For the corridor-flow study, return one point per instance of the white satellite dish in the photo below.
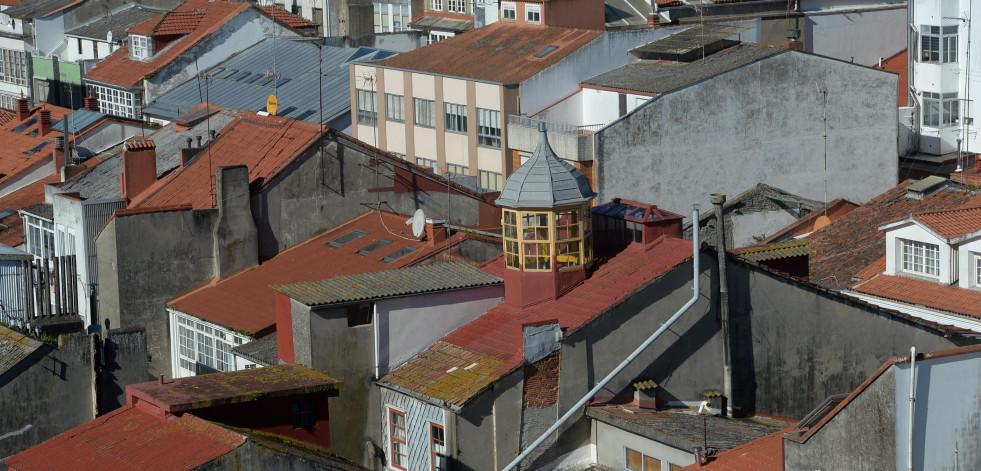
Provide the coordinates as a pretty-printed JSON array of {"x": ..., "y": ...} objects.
[{"x": 418, "y": 222}]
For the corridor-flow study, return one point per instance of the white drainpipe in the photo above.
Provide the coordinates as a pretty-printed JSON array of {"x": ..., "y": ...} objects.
[
  {"x": 592, "y": 392},
  {"x": 912, "y": 402}
]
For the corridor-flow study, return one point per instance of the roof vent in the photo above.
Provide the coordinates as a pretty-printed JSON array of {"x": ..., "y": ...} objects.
[
  {"x": 922, "y": 189},
  {"x": 347, "y": 238},
  {"x": 373, "y": 247}
]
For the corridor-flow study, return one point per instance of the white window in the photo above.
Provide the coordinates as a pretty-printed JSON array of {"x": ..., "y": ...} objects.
[
  {"x": 392, "y": 17},
  {"x": 13, "y": 67},
  {"x": 436, "y": 5},
  {"x": 921, "y": 258},
  {"x": 437, "y": 36},
  {"x": 509, "y": 11},
  {"x": 637, "y": 461},
  {"x": 397, "y": 437},
  {"x": 396, "y": 107},
  {"x": 427, "y": 163},
  {"x": 490, "y": 180},
  {"x": 139, "y": 47},
  {"x": 977, "y": 270},
  {"x": 457, "y": 169},
  {"x": 8, "y": 101},
  {"x": 367, "y": 113},
  {"x": 533, "y": 13},
  {"x": 456, "y": 118},
  {"x": 425, "y": 113},
  {"x": 115, "y": 102},
  {"x": 203, "y": 348},
  {"x": 938, "y": 44},
  {"x": 489, "y": 128},
  {"x": 940, "y": 110}
]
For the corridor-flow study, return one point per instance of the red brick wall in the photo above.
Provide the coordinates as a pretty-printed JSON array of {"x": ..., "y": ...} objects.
[{"x": 541, "y": 382}]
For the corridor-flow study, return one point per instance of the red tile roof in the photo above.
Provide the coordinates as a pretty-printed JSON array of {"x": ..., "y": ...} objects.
[
  {"x": 120, "y": 70},
  {"x": 246, "y": 302},
  {"x": 266, "y": 144},
  {"x": 18, "y": 138},
  {"x": 762, "y": 454},
  {"x": 5, "y": 114},
  {"x": 854, "y": 241},
  {"x": 952, "y": 223},
  {"x": 197, "y": 392},
  {"x": 129, "y": 438},
  {"x": 493, "y": 339},
  {"x": 13, "y": 234},
  {"x": 288, "y": 18},
  {"x": 501, "y": 52},
  {"x": 924, "y": 293}
]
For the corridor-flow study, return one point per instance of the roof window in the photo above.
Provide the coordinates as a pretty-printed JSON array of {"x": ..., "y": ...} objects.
[
  {"x": 482, "y": 42},
  {"x": 26, "y": 124},
  {"x": 373, "y": 247},
  {"x": 546, "y": 51},
  {"x": 524, "y": 49},
  {"x": 398, "y": 254},
  {"x": 36, "y": 148},
  {"x": 347, "y": 238}
]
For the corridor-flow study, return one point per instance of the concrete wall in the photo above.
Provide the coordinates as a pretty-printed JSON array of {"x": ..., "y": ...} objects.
[
  {"x": 263, "y": 453},
  {"x": 409, "y": 325},
  {"x": 611, "y": 444},
  {"x": 124, "y": 362},
  {"x": 795, "y": 344},
  {"x": 861, "y": 437},
  {"x": 680, "y": 147},
  {"x": 863, "y": 36},
  {"x": 488, "y": 429}
]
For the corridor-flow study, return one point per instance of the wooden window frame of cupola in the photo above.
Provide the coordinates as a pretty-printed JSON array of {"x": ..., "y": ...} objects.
[{"x": 515, "y": 241}]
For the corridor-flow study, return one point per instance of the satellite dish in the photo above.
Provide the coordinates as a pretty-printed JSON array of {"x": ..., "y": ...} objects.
[
  {"x": 271, "y": 105},
  {"x": 418, "y": 222},
  {"x": 109, "y": 37}
]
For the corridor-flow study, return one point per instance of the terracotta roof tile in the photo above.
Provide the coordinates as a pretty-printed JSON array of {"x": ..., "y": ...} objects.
[
  {"x": 179, "y": 22},
  {"x": 500, "y": 52},
  {"x": 146, "y": 27},
  {"x": 266, "y": 144},
  {"x": 854, "y": 241},
  {"x": 924, "y": 293},
  {"x": 6, "y": 115},
  {"x": 118, "y": 69},
  {"x": 246, "y": 302},
  {"x": 951, "y": 223},
  {"x": 493, "y": 339},
  {"x": 22, "y": 147},
  {"x": 762, "y": 454},
  {"x": 129, "y": 438},
  {"x": 759, "y": 253},
  {"x": 288, "y": 18}
]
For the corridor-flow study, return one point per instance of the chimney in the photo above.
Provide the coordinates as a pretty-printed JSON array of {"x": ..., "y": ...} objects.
[
  {"x": 44, "y": 121},
  {"x": 139, "y": 168},
  {"x": 90, "y": 102},
  {"x": 58, "y": 155},
  {"x": 718, "y": 200},
  {"x": 199, "y": 141},
  {"x": 697, "y": 450},
  {"x": 187, "y": 153},
  {"x": 23, "y": 110},
  {"x": 436, "y": 231},
  {"x": 161, "y": 379},
  {"x": 645, "y": 394}
]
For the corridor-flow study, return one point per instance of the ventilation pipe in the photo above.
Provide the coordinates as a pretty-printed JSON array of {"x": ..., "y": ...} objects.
[
  {"x": 718, "y": 200},
  {"x": 912, "y": 403},
  {"x": 592, "y": 392}
]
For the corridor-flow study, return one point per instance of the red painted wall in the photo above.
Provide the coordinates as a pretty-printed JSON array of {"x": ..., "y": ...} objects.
[{"x": 284, "y": 329}]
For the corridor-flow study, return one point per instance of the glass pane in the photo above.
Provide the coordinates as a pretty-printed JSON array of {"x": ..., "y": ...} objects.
[
  {"x": 635, "y": 461},
  {"x": 651, "y": 464}
]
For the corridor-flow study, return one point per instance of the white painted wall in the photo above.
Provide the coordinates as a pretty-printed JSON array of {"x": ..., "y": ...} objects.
[
  {"x": 611, "y": 444},
  {"x": 406, "y": 326},
  {"x": 864, "y": 35},
  {"x": 911, "y": 231},
  {"x": 968, "y": 254}
]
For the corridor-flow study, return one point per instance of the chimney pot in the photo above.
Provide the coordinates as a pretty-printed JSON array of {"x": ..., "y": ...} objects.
[
  {"x": 90, "y": 102},
  {"x": 139, "y": 168},
  {"x": 718, "y": 198},
  {"x": 23, "y": 110},
  {"x": 213, "y": 133},
  {"x": 199, "y": 140},
  {"x": 189, "y": 142},
  {"x": 698, "y": 456},
  {"x": 58, "y": 155},
  {"x": 161, "y": 379},
  {"x": 436, "y": 231},
  {"x": 44, "y": 121}
]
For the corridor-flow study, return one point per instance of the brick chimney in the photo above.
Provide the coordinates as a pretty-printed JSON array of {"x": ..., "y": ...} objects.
[
  {"x": 435, "y": 231},
  {"x": 90, "y": 102},
  {"x": 23, "y": 110},
  {"x": 58, "y": 155},
  {"x": 139, "y": 168},
  {"x": 44, "y": 121}
]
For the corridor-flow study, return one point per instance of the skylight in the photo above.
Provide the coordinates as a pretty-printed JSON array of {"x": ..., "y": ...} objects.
[
  {"x": 482, "y": 42},
  {"x": 282, "y": 82},
  {"x": 227, "y": 73},
  {"x": 304, "y": 114},
  {"x": 398, "y": 254},
  {"x": 253, "y": 78},
  {"x": 546, "y": 51},
  {"x": 241, "y": 75},
  {"x": 373, "y": 247},
  {"x": 504, "y": 45},
  {"x": 25, "y": 125},
  {"x": 36, "y": 148},
  {"x": 286, "y": 111},
  {"x": 527, "y": 47},
  {"x": 347, "y": 238}
]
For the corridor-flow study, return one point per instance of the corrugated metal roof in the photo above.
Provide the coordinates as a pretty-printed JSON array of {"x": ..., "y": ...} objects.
[
  {"x": 796, "y": 248},
  {"x": 390, "y": 283},
  {"x": 38, "y": 8},
  {"x": 117, "y": 22},
  {"x": 9, "y": 253},
  {"x": 545, "y": 181},
  {"x": 263, "y": 351},
  {"x": 691, "y": 39},
  {"x": 241, "y": 82},
  {"x": 14, "y": 348},
  {"x": 78, "y": 121}
]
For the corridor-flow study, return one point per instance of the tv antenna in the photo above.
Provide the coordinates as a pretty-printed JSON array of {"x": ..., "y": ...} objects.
[{"x": 418, "y": 223}]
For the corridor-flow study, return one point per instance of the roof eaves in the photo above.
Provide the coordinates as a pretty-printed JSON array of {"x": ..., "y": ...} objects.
[{"x": 402, "y": 69}]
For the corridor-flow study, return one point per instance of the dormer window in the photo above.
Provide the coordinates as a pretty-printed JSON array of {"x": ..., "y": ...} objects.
[
  {"x": 509, "y": 11},
  {"x": 139, "y": 47},
  {"x": 533, "y": 14},
  {"x": 921, "y": 258}
]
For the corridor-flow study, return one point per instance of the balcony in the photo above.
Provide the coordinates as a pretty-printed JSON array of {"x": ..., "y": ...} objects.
[{"x": 569, "y": 141}]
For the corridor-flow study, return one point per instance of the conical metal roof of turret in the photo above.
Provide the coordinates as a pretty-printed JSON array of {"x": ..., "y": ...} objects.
[{"x": 545, "y": 181}]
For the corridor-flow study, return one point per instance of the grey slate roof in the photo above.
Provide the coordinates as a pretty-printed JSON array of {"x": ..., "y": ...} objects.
[
  {"x": 78, "y": 121},
  {"x": 390, "y": 283},
  {"x": 238, "y": 82},
  {"x": 44, "y": 210},
  {"x": 117, "y": 22},
  {"x": 37, "y": 8},
  {"x": 545, "y": 181},
  {"x": 102, "y": 181},
  {"x": 262, "y": 351},
  {"x": 14, "y": 348},
  {"x": 663, "y": 77}
]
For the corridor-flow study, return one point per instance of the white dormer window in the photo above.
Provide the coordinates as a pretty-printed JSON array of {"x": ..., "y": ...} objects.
[
  {"x": 921, "y": 258},
  {"x": 533, "y": 13},
  {"x": 139, "y": 47},
  {"x": 509, "y": 11},
  {"x": 977, "y": 269}
]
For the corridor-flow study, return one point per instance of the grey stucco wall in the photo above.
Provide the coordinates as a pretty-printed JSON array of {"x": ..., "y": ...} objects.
[
  {"x": 270, "y": 455},
  {"x": 236, "y": 240},
  {"x": 124, "y": 362},
  {"x": 50, "y": 391},
  {"x": 794, "y": 344},
  {"x": 861, "y": 437},
  {"x": 347, "y": 353},
  {"x": 488, "y": 429},
  {"x": 762, "y": 122}
]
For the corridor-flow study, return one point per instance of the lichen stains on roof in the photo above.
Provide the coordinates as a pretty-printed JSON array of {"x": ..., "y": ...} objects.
[
  {"x": 14, "y": 348},
  {"x": 760, "y": 253}
]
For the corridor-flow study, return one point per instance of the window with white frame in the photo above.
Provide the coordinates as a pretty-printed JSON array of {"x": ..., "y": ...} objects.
[
  {"x": 437, "y": 447},
  {"x": 40, "y": 236},
  {"x": 427, "y": 163},
  {"x": 397, "y": 438},
  {"x": 456, "y": 118},
  {"x": 13, "y": 67},
  {"x": 392, "y": 17},
  {"x": 938, "y": 44},
  {"x": 490, "y": 180},
  {"x": 395, "y": 108},
  {"x": 457, "y": 169},
  {"x": 920, "y": 257},
  {"x": 637, "y": 461},
  {"x": 367, "y": 113},
  {"x": 425, "y": 113},
  {"x": 436, "y": 5},
  {"x": 204, "y": 348},
  {"x": 139, "y": 47},
  {"x": 977, "y": 269},
  {"x": 533, "y": 13},
  {"x": 940, "y": 110},
  {"x": 115, "y": 102},
  {"x": 489, "y": 128},
  {"x": 8, "y": 101},
  {"x": 509, "y": 11},
  {"x": 437, "y": 36}
]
